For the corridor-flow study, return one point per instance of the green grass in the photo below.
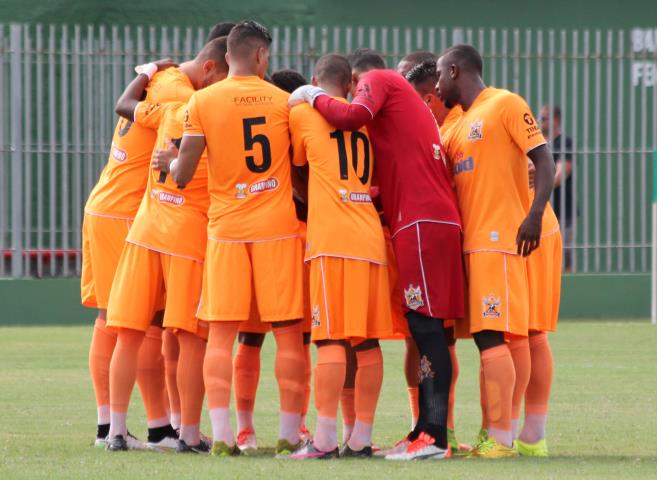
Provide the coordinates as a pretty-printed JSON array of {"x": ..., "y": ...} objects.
[{"x": 603, "y": 420}]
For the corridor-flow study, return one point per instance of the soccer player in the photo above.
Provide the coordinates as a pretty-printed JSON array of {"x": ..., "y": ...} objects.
[
  {"x": 253, "y": 248},
  {"x": 414, "y": 58},
  {"x": 487, "y": 151},
  {"x": 110, "y": 209},
  {"x": 246, "y": 367},
  {"x": 221, "y": 29},
  {"x": 421, "y": 210},
  {"x": 349, "y": 289},
  {"x": 153, "y": 258}
]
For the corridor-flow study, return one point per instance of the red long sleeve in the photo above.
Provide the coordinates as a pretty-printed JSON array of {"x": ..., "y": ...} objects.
[{"x": 342, "y": 116}]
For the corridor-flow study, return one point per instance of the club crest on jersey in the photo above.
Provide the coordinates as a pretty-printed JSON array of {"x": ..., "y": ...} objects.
[
  {"x": 240, "y": 190},
  {"x": 491, "y": 306},
  {"x": 314, "y": 317},
  {"x": 476, "y": 130},
  {"x": 343, "y": 195},
  {"x": 413, "y": 296},
  {"x": 118, "y": 154}
]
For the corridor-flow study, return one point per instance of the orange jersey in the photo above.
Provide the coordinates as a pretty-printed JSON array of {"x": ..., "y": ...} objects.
[
  {"x": 487, "y": 153},
  {"x": 245, "y": 124},
  {"x": 342, "y": 221},
  {"x": 452, "y": 118},
  {"x": 121, "y": 185},
  {"x": 171, "y": 220}
]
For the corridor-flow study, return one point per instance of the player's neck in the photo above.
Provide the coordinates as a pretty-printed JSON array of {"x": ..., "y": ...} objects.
[
  {"x": 333, "y": 91},
  {"x": 470, "y": 93},
  {"x": 190, "y": 72},
  {"x": 238, "y": 70}
]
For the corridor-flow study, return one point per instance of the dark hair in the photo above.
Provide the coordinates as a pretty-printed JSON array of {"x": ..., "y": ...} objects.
[
  {"x": 215, "y": 50},
  {"x": 221, "y": 29},
  {"x": 288, "y": 80},
  {"x": 246, "y": 36},
  {"x": 556, "y": 112},
  {"x": 364, "y": 59},
  {"x": 466, "y": 56},
  {"x": 333, "y": 69},
  {"x": 422, "y": 72},
  {"x": 419, "y": 56}
]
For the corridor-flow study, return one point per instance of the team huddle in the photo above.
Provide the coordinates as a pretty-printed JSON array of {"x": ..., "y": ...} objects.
[{"x": 235, "y": 204}]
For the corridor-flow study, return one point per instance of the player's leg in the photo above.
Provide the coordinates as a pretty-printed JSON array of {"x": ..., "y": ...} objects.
[
  {"x": 132, "y": 303},
  {"x": 304, "y": 433},
  {"x": 183, "y": 281},
  {"x": 348, "y": 396},
  {"x": 170, "y": 353},
  {"x": 102, "y": 346},
  {"x": 519, "y": 348},
  {"x": 278, "y": 285},
  {"x": 411, "y": 369},
  {"x": 225, "y": 304},
  {"x": 246, "y": 376},
  {"x": 456, "y": 446}
]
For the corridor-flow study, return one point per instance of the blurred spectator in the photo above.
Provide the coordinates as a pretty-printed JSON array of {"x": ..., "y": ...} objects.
[{"x": 562, "y": 149}]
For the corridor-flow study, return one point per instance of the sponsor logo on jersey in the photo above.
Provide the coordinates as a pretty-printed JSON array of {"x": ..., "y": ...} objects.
[
  {"x": 314, "y": 317},
  {"x": 466, "y": 165},
  {"x": 360, "y": 197},
  {"x": 344, "y": 195},
  {"x": 476, "y": 130},
  {"x": 118, "y": 154},
  {"x": 532, "y": 129},
  {"x": 252, "y": 100},
  {"x": 264, "y": 185},
  {"x": 491, "y": 306},
  {"x": 413, "y": 296},
  {"x": 168, "y": 197},
  {"x": 240, "y": 190}
]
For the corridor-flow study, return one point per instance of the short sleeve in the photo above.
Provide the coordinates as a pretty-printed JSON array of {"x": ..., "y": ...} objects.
[
  {"x": 370, "y": 92},
  {"x": 521, "y": 124},
  {"x": 149, "y": 115},
  {"x": 296, "y": 134},
  {"x": 192, "y": 125}
]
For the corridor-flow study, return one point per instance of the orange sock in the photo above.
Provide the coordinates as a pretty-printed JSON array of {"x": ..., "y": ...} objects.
[
  {"x": 411, "y": 369},
  {"x": 519, "y": 348},
  {"x": 246, "y": 374},
  {"x": 218, "y": 377},
  {"x": 307, "y": 379},
  {"x": 123, "y": 368},
  {"x": 100, "y": 356},
  {"x": 150, "y": 378},
  {"x": 190, "y": 383},
  {"x": 414, "y": 404},
  {"x": 348, "y": 407},
  {"x": 482, "y": 398},
  {"x": 369, "y": 377},
  {"x": 500, "y": 377},
  {"x": 289, "y": 356},
  {"x": 452, "y": 387},
  {"x": 170, "y": 353},
  {"x": 540, "y": 382},
  {"x": 330, "y": 372}
]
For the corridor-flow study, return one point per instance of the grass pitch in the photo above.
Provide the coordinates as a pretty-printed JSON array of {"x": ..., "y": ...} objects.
[{"x": 603, "y": 420}]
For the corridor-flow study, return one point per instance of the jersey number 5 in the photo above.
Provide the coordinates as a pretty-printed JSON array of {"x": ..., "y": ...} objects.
[
  {"x": 338, "y": 135},
  {"x": 249, "y": 143}
]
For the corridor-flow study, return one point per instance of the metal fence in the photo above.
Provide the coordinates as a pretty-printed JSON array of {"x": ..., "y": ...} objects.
[{"x": 58, "y": 85}]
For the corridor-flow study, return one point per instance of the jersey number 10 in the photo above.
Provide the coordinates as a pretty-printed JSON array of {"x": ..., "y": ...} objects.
[
  {"x": 356, "y": 136},
  {"x": 249, "y": 143}
]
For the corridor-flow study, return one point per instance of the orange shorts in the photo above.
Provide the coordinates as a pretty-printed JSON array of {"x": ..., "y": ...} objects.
[
  {"x": 143, "y": 277},
  {"x": 235, "y": 272},
  {"x": 544, "y": 273},
  {"x": 349, "y": 299},
  {"x": 102, "y": 242},
  {"x": 498, "y": 294}
]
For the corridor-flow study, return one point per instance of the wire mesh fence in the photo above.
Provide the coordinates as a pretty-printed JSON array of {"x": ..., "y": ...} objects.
[{"x": 58, "y": 85}]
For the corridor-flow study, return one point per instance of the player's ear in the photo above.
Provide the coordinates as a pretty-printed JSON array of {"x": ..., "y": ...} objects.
[
  {"x": 227, "y": 56},
  {"x": 313, "y": 81},
  {"x": 454, "y": 71},
  {"x": 208, "y": 66}
]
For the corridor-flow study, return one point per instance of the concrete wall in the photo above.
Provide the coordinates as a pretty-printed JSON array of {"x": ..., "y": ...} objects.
[{"x": 57, "y": 301}]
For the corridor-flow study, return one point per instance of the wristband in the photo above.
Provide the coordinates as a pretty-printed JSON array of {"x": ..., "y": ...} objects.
[{"x": 148, "y": 69}]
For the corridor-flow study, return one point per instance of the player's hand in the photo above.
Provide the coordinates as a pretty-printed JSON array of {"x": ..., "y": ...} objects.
[
  {"x": 532, "y": 175},
  {"x": 529, "y": 234},
  {"x": 161, "y": 64},
  {"x": 163, "y": 158},
  {"x": 305, "y": 93},
  {"x": 164, "y": 63}
]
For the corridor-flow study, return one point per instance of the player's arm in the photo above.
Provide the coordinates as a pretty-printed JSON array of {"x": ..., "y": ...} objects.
[
  {"x": 191, "y": 147},
  {"x": 298, "y": 154},
  {"x": 134, "y": 92},
  {"x": 564, "y": 165}
]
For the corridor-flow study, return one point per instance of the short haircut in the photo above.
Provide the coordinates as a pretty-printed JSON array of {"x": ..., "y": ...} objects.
[
  {"x": 366, "y": 59},
  {"x": 419, "y": 56},
  {"x": 215, "y": 50},
  {"x": 422, "y": 72},
  {"x": 288, "y": 80},
  {"x": 466, "y": 57},
  {"x": 221, "y": 29},
  {"x": 333, "y": 69},
  {"x": 247, "y": 36}
]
